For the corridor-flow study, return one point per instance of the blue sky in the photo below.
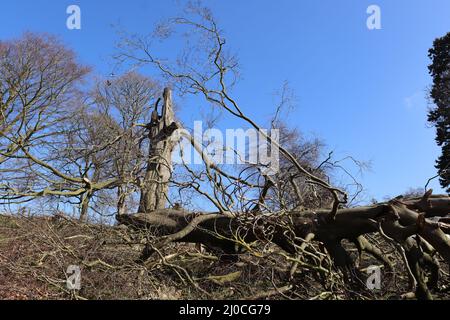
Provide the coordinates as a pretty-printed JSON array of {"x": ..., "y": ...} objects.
[{"x": 361, "y": 91}]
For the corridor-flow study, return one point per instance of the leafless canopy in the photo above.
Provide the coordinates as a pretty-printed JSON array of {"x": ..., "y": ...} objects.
[{"x": 108, "y": 150}]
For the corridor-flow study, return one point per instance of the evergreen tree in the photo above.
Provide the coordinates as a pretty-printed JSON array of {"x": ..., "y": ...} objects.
[{"x": 439, "y": 115}]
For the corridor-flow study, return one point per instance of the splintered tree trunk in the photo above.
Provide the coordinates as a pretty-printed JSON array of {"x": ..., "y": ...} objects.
[
  {"x": 121, "y": 204},
  {"x": 159, "y": 166},
  {"x": 85, "y": 207}
]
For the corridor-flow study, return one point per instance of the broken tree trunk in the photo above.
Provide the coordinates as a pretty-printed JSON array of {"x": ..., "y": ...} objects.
[
  {"x": 287, "y": 230},
  {"x": 154, "y": 190}
]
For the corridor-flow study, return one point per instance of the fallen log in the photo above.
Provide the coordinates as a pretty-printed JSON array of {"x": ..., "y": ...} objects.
[
  {"x": 230, "y": 234},
  {"x": 287, "y": 229}
]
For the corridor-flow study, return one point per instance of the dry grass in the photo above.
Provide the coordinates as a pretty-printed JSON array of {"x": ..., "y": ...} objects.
[{"x": 35, "y": 253}]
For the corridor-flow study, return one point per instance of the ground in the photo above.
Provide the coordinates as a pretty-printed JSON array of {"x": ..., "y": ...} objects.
[{"x": 35, "y": 253}]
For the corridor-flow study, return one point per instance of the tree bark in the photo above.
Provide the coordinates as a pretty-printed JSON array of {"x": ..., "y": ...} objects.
[
  {"x": 217, "y": 231},
  {"x": 85, "y": 200},
  {"x": 154, "y": 191}
]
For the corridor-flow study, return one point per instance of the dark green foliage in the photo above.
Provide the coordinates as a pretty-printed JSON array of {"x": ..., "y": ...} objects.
[{"x": 439, "y": 115}]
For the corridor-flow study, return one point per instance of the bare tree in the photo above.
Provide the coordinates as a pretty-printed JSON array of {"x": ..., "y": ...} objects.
[
  {"x": 127, "y": 100},
  {"x": 61, "y": 142},
  {"x": 39, "y": 81},
  {"x": 211, "y": 74}
]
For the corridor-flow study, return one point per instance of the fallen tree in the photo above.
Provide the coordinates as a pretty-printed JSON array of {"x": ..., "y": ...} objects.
[
  {"x": 407, "y": 222},
  {"x": 287, "y": 220},
  {"x": 404, "y": 221}
]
